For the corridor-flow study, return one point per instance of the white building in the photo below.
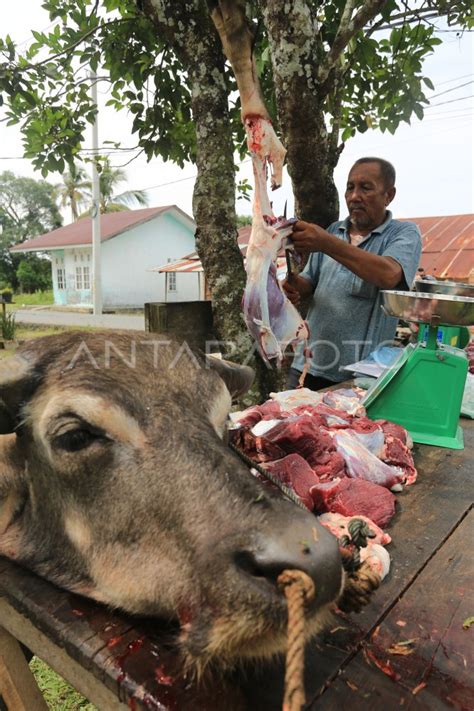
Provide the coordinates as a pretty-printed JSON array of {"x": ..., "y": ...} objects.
[{"x": 132, "y": 242}]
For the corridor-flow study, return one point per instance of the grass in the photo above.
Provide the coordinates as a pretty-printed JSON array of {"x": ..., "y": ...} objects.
[
  {"x": 57, "y": 693},
  {"x": 39, "y": 298}
]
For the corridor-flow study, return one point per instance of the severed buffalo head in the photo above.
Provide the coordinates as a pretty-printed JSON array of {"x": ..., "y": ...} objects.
[{"x": 116, "y": 483}]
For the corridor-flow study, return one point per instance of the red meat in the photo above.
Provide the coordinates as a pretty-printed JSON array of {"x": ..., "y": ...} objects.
[
  {"x": 268, "y": 411},
  {"x": 330, "y": 465},
  {"x": 351, "y": 497},
  {"x": 296, "y": 473},
  {"x": 301, "y": 435},
  {"x": 398, "y": 454},
  {"x": 391, "y": 428}
]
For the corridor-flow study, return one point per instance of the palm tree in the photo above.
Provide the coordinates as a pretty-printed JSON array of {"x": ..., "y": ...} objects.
[
  {"x": 109, "y": 178},
  {"x": 75, "y": 190}
]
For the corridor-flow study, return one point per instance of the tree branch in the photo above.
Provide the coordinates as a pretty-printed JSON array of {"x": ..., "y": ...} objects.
[{"x": 348, "y": 27}]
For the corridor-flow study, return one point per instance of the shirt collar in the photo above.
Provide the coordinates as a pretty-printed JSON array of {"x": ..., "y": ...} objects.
[{"x": 345, "y": 224}]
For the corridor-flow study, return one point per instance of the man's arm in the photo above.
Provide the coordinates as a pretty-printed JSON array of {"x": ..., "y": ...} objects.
[{"x": 383, "y": 272}]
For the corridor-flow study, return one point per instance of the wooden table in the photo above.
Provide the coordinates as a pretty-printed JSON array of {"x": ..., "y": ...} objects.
[{"x": 119, "y": 662}]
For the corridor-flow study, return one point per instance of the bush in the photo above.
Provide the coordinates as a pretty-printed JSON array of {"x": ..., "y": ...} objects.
[
  {"x": 8, "y": 324},
  {"x": 34, "y": 274},
  {"x": 6, "y": 294}
]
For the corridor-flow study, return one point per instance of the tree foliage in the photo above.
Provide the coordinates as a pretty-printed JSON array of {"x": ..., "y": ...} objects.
[
  {"x": 75, "y": 190},
  {"x": 328, "y": 68},
  {"x": 34, "y": 274},
  {"x": 378, "y": 79},
  {"x": 27, "y": 209},
  {"x": 111, "y": 201}
]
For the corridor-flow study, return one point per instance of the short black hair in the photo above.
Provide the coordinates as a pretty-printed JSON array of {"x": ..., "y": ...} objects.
[{"x": 387, "y": 171}]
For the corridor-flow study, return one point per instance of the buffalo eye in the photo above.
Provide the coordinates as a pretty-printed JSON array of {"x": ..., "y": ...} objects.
[{"x": 75, "y": 440}]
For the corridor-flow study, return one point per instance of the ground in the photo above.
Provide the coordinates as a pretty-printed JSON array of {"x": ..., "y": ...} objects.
[{"x": 57, "y": 693}]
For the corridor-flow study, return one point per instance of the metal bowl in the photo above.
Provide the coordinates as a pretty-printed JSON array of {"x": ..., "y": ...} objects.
[
  {"x": 444, "y": 287},
  {"x": 422, "y": 308}
]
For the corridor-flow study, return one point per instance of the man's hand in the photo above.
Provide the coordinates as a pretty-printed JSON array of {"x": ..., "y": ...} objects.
[
  {"x": 296, "y": 288},
  {"x": 291, "y": 292},
  {"x": 307, "y": 237}
]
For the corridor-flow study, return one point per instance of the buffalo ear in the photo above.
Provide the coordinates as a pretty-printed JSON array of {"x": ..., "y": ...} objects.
[
  {"x": 238, "y": 378},
  {"x": 16, "y": 374}
]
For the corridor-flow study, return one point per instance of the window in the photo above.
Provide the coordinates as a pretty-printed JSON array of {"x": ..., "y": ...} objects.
[
  {"x": 61, "y": 279},
  {"x": 86, "y": 277},
  {"x": 171, "y": 281},
  {"x": 78, "y": 278}
]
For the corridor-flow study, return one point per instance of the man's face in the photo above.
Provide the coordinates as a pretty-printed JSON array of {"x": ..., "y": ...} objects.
[{"x": 367, "y": 196}]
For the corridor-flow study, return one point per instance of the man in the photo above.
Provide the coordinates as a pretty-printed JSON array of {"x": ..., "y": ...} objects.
[{"x": 349, "y": 264}]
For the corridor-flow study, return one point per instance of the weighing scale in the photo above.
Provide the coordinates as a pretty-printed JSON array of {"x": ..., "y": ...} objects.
[
  {"x": 451, "y": 335},
  {"x": 423, "y": 389}
]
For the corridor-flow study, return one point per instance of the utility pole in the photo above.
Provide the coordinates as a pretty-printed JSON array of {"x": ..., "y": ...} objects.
[{"x": 96, "y": 237}]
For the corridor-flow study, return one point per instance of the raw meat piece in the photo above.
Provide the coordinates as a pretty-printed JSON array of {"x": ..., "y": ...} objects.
[
  {"x": 303, "y": 436},
  {"x": 331, "y": 416},
  {"x": 391, "y": 428},
  {"x": 257, "y": 448},
  {"x": 378, "y": 559},
  {"x": 344, "y": 399},
  {"x": 373, "y": 441},
  {"x": 397, "y": 454},
  {"x": 271, "y": 318},
  {"x": 296, "y": 473},
  {"x": 337, "y": 524},
  {"x": 330, "y": 465},
  {"x": 360, "y": 463},
  {"x": 353, "y": 497},
  {"x": 249, "y": 417},
  {"x": 364, "y": 424},
  {"x": 289, "y": 399},
  {"x": 262, "y": 427}
]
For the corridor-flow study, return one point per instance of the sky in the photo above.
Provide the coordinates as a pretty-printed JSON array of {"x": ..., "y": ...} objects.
[{"x": 434, "y": 158}]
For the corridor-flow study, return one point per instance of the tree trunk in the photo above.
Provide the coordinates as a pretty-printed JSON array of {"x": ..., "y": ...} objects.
[
  {"x": 214, "y": 193},
  {"x": 294, "y": 43}
]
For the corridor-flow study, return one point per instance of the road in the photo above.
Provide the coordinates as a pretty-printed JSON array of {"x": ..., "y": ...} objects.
[{"x": 64, "y": 318}]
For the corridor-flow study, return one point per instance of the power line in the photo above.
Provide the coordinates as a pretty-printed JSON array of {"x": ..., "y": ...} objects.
[
  {"x": 452, "y": 118},
  {"x": 452, "y": 101},
  {"x": 453, "y": 88},
  {"x": 448, "y": 81}
]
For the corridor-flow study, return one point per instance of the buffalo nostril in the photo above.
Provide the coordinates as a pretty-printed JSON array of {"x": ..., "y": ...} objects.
[
  {"x": 258, "y": 566},
  {"x": 319, "y": 559}
]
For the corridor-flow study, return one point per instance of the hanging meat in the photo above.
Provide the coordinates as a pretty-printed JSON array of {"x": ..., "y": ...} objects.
[{"x": 271, "y": 319}]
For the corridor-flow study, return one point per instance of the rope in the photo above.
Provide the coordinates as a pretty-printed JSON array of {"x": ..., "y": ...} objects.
[
  {"x": 358, "y": 589},
  {"x": 298, "y": 589}
]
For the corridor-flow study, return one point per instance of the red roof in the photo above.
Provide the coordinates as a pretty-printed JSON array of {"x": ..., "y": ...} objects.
[
  {"x": 192, "y": 263},
  {"x": 80, "y": 232},
  {"x": 448, "y": 246},
  {"x": 448, "y": 242}
]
